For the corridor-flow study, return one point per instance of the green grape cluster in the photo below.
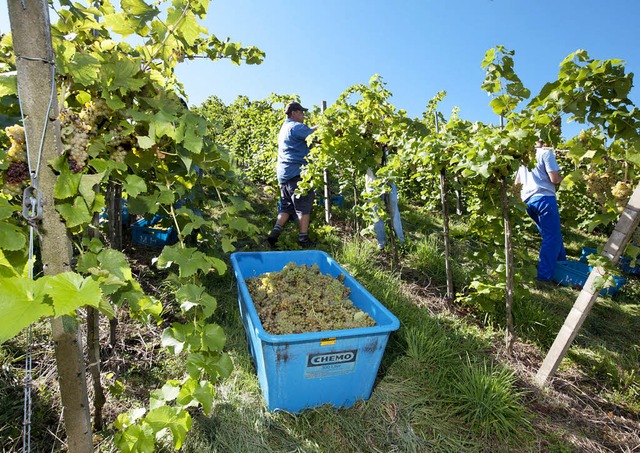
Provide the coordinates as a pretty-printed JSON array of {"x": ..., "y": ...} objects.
[
  {"x": 18, "y": 150},
  {"x": 120, "y": 145},
  {"x": 300, "y": 299},
  {"x": 75, "y": 138},
  {"x": 118, "y": 154},
  {"x": 622, "y": 191},
  {"x": 95, "y": 111},
  {"x": 599, "y": 185}
]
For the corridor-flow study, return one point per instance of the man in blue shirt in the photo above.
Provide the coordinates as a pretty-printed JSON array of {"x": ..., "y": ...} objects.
[
  {"x": 292, "y": 155},
  {"x": 539, "y": 193}
]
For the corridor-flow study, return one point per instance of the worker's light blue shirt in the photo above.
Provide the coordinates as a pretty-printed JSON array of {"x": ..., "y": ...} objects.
[
  {"x": 536, "y": 183},
  {"x": 292, "y": 149}
]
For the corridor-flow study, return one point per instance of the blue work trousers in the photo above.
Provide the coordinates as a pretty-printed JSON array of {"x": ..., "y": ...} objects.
[{"x": 544, "y": 212}]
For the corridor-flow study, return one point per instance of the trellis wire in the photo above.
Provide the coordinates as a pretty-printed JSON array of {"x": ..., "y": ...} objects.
[{"x": 32, "y": 211}]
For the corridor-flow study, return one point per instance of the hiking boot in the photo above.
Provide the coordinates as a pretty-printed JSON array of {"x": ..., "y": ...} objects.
[
  {"x": 272, "y": 239},
  {"x": 306, "y": 243}
]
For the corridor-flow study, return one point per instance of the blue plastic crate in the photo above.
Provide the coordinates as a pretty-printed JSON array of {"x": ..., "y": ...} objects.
[
  {"x": 624, "y": 263},
  {"x": 625, "y": 266},
  {"x": 575, "y": 273},
  {"x": 145, "y": 232},
  {"x": 586, "y": 252},
  {"x": 306, "y": 370},
  {"x": 336, "y": 200},
  {"x": 125, "y": 213}
]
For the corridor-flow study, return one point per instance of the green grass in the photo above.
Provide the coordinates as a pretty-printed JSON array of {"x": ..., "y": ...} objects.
[
  {"x": 416, "y": 404},
  {"x": 443, "y": 384},
  {"x": 437, "y": 387}
]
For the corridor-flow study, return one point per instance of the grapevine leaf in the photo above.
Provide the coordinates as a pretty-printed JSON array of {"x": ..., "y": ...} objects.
[
  {"x": 22, "y": 302},
  {"x": 164, "y": 124},
  {"x": 119, "y": 74},
  {"x": 116, "y": 263},
  {"x": 209, "y": 304},
  {"x": 175, "y": 337},
  {"x": 129, "y": 417},
  {"x": 166, "y": 196},
  {"x": 145, "y": 142},
  {"x": 143, "y": 204},
  {"x": 134, "y": 185},
  {"x": 11, "y": 237},
  {"x": 137, "y": 8},
  {"x": 240, "y": 224},
  {"x": 106, "y": 308},
  {"x": 136, "y": 439},
  {"x": 6, "y": 208},
  {"x": 119, "y": 23},
  {"x": 220, "y": 265},
  {"x": 196, "y": 221},
  {"x": 8, "y": 85},
  {"x": 105, "y": 166},
  {"x": 186, "y": 396},
  {"x": 140, "y": 303},
  {"x": 186, "y": 160},
  {"x": 6, "y": 268},
  {"x": 168, "y": 392},
  {"x": 69, "y": 291},
  {"x": 85, "y": 68},
  {"x": 67, "y": 183},
  {"x": 214, "y": 364},
  {"x": 189, "y": 260},
  {"x": 191, "y": 29},
  {"x": 189, "y": 296},
  {"x": 176, "y": 419},
  {"x": 192, "y": 140},
  {"x": 205, "y": 393},
  {"x": 87, "y": 187},
  {"x": 94, "y": 245},
  {"x": 227, "y": 245},
  {"x": 75, "y": 214},
  {"x": 83, "y": 97},
  {"x": 213, "y": 338},
  {"x": 114, "y": 102},
  {"x": 194, "y": 392},
  {"x": 87, "y": 261}
]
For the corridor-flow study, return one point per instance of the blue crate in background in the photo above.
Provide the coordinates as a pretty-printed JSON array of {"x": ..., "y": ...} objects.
[
  {"x": 336, "y": 200},
  {"x": 186, "y": 202},
  {"x": 586, "y": 251},
  {"x": 624, "y": 264},
  {"x": 149, "y": 233},
  {"x": 298, "y": 371},
  {"x": 575, "y": 273},
  {"x": 125, "y": 213}
]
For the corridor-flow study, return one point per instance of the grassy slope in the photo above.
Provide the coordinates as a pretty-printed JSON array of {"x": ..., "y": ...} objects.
[{"x": 445, "y": 382}]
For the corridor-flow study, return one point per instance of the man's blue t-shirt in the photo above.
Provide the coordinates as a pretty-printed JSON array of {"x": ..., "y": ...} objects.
[
  {"x": 292, "y": 149},
  {"x": 536, "y": 182}
]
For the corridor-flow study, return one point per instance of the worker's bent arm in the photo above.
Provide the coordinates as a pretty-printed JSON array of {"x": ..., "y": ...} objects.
[{"x": 555, "y": 177}]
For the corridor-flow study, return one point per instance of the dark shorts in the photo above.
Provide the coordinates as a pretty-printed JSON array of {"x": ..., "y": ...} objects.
[{"x": 292, "y": 204}]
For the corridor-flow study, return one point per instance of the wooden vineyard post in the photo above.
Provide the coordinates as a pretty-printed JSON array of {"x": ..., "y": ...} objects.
[
  {"x": 614, "y": 247},
  {"x": 510, "y": 331},
  {"x": 327, "y": 195},
  {"x": 445, "y": 226}
]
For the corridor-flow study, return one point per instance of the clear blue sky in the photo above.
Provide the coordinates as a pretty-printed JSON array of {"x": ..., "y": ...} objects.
[{"x": 317, "y": 49}]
